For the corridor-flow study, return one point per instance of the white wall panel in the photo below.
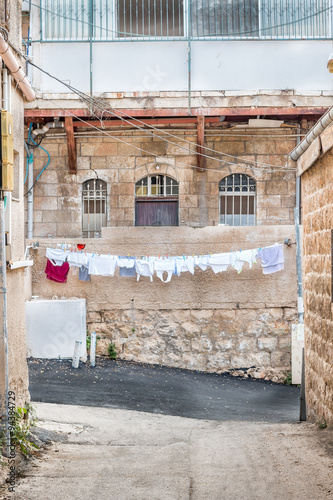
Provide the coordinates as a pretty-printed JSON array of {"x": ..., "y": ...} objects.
[
  {"x": 139, "y": 66},
  {"x": 268, "y": 65},
  {"x": 66, "y": 61},
  {"x": 163, "y": 66},
  {"x": 53, "y": 326}
]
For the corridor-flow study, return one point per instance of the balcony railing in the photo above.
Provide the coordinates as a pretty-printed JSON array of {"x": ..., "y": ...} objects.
[{"x": 134, "y": 20}]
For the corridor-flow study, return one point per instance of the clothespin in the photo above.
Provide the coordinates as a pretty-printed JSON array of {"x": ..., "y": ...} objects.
[
  {"x": 92, "y": 255},
  {"x": 183, "y": 256},
  {"x": 128, "y": 255},
  {"x": 159, "y": 256},
  {"x": 193, "y": 256}
]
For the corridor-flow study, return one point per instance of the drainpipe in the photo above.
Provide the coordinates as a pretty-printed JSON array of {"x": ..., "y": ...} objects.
[
  {"x": 316, "y": 130},
  {"x": 4, "y": 370},
  {"x": 14, "y": 67},
  {"x": 300, "y": 304},
  {"x": 30, "y": 233}
]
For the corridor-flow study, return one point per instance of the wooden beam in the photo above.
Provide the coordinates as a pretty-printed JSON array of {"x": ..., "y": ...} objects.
[
  {"x": 201, "y": 143},
  {"x": 71, "y": 146},
  {"x": 245, "y": 112}
]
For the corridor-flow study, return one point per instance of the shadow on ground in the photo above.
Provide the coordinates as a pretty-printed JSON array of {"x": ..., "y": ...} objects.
[{"x": 158, "y": 389}]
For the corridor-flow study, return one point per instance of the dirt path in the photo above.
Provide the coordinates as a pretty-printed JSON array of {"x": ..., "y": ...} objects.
[{"x": 124, "y": 455}]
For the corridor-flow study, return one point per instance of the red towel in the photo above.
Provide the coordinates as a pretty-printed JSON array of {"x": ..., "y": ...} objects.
[{"x": 57, "y": 273}]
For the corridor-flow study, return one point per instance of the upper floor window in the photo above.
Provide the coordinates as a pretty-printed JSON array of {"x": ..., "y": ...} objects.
[
  {"x": 149, "y": 18},
  {"x": 156, "y": 185},
  {"x": 178, "y": 19},
  {"x": 94, "y": 215},
  {"x": 237, "y": 200},
  {"x": 221, "y": 18}
]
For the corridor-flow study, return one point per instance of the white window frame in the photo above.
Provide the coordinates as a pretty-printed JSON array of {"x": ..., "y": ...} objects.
[
  {"x": 149, "y": 186},
  {"x": 242, "y": 194},
  {"x": 92, "y": 222}
]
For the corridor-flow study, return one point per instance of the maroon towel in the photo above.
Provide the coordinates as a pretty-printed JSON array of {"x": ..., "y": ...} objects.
[{"x": 57, "y": 273}]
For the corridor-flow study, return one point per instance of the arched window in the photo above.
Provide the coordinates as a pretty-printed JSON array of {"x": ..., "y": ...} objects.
[
  {"x": 156, "y": 202},
  {"x": 237, "y": 200},
  {"x": 94, "y": 192}
]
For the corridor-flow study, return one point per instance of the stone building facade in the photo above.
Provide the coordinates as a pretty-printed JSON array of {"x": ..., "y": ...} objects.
[
  {"x": 262, "y": 155},
  {"x": 316, "y": 171},
  {"x": 10, "y": 17}
]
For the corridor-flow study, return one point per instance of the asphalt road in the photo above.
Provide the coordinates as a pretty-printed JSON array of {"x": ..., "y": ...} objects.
[{"x": 161, "y": 390}]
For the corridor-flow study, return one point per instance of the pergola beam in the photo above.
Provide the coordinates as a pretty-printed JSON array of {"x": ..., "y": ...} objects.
[
  {"x": 201, "y": 143},
  {"x": 71, "y": 146}
]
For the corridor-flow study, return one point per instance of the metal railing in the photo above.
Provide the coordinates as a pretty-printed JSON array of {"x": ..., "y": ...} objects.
[{"x": 133, "y": 20}]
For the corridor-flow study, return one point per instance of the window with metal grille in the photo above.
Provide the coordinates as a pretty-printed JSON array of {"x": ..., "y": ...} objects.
[
  {"x": 156, "y": 185},
  {"x": 111, "y": 20},
  {"x": 237, "y": 200},
  {"x": 217, "y": 18},
  {"x": 150, "y": 18},
  {"x": 94, "y": 194}
]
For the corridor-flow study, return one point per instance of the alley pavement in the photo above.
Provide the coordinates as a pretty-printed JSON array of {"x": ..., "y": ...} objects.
[
  {"x": 161, "y": 390},
  {"x": 132, "y": 455}
]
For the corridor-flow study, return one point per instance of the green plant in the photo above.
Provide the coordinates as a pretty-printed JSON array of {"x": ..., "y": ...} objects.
[
  {"x": 112, "y": 350},
  {"x": 89, "y": 341},
  {"x": 133, "y": 330},
  {"x": 287, "y": 380},
  {"x": 322, "y": 424},
  {"x": 20, "y": 421}
]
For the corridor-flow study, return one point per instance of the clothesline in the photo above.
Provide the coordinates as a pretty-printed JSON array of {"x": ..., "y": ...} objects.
[{"x": 93, "y": 264}]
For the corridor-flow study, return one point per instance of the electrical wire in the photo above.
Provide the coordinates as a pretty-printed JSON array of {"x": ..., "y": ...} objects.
[
  {"x": 95, "y": 103},
  {"x": 186, "y": 165},
  {"x": 199, "y": 37},
  {"x": 40, "y": 173},
  {"x": 27, "y": 169}
]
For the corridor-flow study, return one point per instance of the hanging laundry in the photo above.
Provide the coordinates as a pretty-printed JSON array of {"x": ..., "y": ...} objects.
[
  {"x": 84, "y": 274},
  {"x": 164, "y": 265},
  {"x": 219, "y": 262},
  {"x": 238, "y": 259},
  {"x": 78, "y": 259},
  {"x": 57, "y": 255},
  {"x": 102, "y": 265},
  {"x": 201, "y": 261},
  {"x": 144, "y": 268},
  {"x": 126, "y": 266},
  {"x": 57, "y": 273},
  {"x": 185, "y": 264},
  {"x": 272, "y": 259}
]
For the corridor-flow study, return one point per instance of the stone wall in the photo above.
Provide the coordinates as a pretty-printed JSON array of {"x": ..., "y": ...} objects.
[
  {"x": 58, "y": 194},
  {"x": 204, "y": 322},
  {"x": 18, "y": 369},
  {"x": 317, "y": 195}
]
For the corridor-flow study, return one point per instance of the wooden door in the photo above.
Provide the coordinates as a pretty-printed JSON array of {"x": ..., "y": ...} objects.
[{"x": 156, "y": 212}]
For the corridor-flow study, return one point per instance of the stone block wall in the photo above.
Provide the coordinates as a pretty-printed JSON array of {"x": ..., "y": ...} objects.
[
  {"x": 260, "y": 154},
  {"x": 317, "y": 195},
  {"x": 203, "y": 322}
]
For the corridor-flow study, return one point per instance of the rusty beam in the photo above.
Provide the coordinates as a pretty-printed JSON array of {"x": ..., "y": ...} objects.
[
  {"x": 201, "y": 143},
  {"x": 71, "y": 146},
  {"x": 145, "y": 121},
  {"x": 245, "y": 112}
]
